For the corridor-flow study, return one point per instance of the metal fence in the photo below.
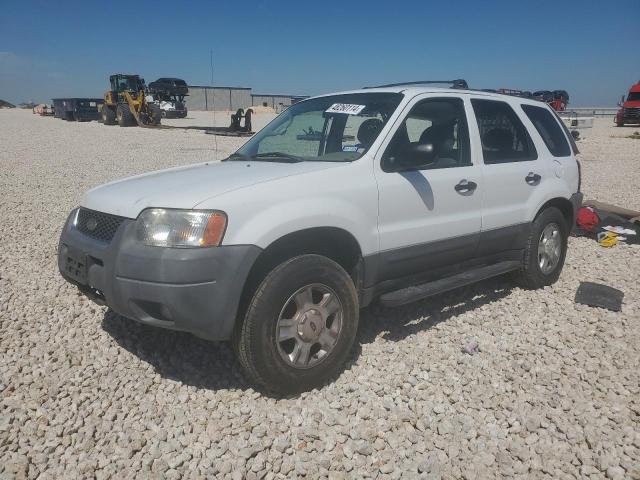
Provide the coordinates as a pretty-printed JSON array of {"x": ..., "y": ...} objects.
[{"x": 593, "y": 111}]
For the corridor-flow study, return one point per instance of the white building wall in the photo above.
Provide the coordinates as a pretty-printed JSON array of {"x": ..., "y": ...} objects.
[{"x": 232, "y": 98}]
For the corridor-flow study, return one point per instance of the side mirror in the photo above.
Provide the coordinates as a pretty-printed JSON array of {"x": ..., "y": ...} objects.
[
  {"x": 413, "y": 158},
  {"x": 621, "y": 102}
]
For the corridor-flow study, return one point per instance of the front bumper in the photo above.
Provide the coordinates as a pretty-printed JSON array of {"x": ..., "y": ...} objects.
[
  {"x": 175, "y": 113},
  {"x": 195, "y": 290}
]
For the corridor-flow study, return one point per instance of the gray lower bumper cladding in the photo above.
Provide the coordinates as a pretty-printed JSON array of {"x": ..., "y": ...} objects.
[{"x": 196, "y": 290}]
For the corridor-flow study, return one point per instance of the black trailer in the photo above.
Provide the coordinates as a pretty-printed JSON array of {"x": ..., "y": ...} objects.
[{"x": 78, "y": 109}]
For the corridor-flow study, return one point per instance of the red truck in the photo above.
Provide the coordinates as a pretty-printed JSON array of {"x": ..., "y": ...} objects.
[{"x": 630, "y": 108}]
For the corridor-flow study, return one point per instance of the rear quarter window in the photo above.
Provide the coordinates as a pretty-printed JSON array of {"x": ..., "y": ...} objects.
[{"x": 549, "y": 129}]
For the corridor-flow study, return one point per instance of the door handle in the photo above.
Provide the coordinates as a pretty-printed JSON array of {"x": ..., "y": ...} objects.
[
  {"x": 532, "y": 178},
  {"x": 465, "y": 186}
]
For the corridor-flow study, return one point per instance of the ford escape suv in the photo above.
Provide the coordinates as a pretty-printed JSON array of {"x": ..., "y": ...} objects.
[{"x": 388, "y": 194}]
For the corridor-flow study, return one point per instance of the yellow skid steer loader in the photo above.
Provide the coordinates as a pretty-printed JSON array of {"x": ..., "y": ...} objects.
[{"x": 126, "y": 103}]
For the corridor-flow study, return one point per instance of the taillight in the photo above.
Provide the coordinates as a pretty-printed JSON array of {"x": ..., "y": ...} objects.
[{"x": 579, "y": 174}]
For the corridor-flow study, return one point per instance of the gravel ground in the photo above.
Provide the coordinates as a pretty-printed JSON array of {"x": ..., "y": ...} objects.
[{"x": 553, "y": 392}]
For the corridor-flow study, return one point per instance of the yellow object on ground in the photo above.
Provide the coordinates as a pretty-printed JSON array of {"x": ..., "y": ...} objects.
[{"x": 607, "y": 239}]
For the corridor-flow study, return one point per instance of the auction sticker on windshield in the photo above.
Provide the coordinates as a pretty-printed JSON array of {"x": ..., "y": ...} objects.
[{"x": 348, "y": 108}]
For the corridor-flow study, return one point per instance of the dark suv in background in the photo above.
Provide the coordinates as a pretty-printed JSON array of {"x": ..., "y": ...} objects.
[{"x": 169, "y": 93}]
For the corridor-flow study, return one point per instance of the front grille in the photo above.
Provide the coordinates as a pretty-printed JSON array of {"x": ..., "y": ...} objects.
[
  {"x": 98, "y": 225},
  {"x": 632, "y": 112}
]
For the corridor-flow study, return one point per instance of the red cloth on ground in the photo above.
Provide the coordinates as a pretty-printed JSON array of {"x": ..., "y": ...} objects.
[{"x": 587, "y": 219}]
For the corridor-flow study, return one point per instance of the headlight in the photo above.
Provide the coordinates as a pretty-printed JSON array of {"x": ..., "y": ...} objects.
[{"x": 162, "y": 227}]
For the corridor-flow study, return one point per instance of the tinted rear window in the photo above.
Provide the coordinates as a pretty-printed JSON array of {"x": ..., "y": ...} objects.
[
  {"x": 504, "y": 138},
  {"x": 549, "y": 129}
]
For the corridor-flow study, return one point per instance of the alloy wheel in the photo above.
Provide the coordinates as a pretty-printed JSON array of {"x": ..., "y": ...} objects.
[
  {"x": 309, "y": 326},
  {"x": 549, "y": 248}
]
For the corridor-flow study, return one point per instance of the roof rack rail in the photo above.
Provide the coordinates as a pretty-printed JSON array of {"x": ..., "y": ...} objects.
[{"x": 459, "y": 83}]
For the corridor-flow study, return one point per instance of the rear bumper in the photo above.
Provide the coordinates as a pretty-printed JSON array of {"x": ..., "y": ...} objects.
[
  {"x": 193, "y": 290},
  {"x": 576, "y": 201}
]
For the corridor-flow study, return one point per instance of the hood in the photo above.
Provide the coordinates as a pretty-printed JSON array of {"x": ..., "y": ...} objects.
[
  {"x": 185, "y": 187},
  {"x": 631, "y": 104}
]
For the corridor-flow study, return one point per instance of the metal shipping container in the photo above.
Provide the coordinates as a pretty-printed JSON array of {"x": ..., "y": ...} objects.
[{"x": 79, "y": 109}]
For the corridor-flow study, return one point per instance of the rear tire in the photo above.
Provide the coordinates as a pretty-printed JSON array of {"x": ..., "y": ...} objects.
[
  {"x": 299, "y": 326},
  {"x": 108, "y": 115},
  {"x": 124, "y": 115},
  {"x": 545, "y": 251}
]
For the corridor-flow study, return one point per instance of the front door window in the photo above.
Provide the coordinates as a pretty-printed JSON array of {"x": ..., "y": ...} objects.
[{"x": 440, "y": 122}]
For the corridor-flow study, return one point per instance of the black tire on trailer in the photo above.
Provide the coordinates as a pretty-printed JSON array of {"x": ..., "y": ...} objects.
[
  {"x": 299, "y": 326},
  {"x": 108, "y": 115},
  {"x": 124, "y": 115},
  {"x": 155, "y": 114},
  {"x": 545, "y": 250}
]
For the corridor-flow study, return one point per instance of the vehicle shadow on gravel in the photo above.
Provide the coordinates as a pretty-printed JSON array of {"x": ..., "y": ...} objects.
[
  {"x": 203, "y": 364},
  {"x": 178, "y": 356},
  {"x": 402, "y": 322}
]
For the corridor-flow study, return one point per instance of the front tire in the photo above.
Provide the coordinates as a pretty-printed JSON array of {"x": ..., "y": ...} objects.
[
  {"x": 545, "y": 251},
  {"x": 124, "y": 115},
  {"x": 299, "y": 326},
  {"x": 108, "y": 115}
]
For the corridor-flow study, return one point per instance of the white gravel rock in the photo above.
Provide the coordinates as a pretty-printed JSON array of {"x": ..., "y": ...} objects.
[{"x": 554, "y": 390}]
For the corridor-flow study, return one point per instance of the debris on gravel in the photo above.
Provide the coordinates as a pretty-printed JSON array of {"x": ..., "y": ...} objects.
[
  {"x": 471, "y": 346},
  {"x": 85, "y": 393}
]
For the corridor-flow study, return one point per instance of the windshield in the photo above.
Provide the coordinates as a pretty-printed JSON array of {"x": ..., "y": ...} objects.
[
  {"x": 633, "y": 97},
  {"x": 336, "y": 128},
  {"x": 132, "y": 84}
]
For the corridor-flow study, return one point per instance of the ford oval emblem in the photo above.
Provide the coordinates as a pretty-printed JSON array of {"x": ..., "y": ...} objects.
[{"x": 92, "y": 223}]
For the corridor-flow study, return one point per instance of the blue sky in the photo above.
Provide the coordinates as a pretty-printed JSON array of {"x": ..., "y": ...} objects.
[{"x": 64, "y": 48}]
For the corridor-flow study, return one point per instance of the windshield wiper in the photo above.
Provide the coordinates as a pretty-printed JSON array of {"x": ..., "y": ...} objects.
[
  {"x": 268, "y": 156},
  {"x": 265, "y": 157},
  {"x": 237, "y": 156}
]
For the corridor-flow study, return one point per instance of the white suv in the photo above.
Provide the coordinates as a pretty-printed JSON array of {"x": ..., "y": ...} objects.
[{"x": 390, "y": 194}]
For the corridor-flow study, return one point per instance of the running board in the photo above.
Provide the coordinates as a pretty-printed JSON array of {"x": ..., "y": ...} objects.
[{"x": 418, "y": 292}]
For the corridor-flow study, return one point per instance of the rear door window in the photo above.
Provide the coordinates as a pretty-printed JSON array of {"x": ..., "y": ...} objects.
[
  {"x": 504, "y": 137},
  {"x": 549, "y": 129}
]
